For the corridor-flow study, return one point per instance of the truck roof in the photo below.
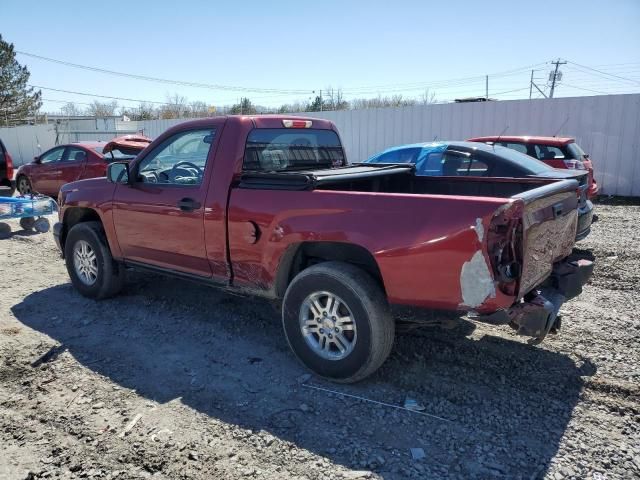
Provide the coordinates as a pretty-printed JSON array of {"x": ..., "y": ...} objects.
[
  {"x": 259, "y": 121},
  {"x": 556, "y": 141}
]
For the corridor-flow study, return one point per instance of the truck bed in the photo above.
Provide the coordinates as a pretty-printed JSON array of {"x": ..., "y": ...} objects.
[{"x": 390, "y": 179}]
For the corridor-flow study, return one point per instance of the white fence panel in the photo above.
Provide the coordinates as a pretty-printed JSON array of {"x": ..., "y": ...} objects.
[
  {"x": 607, "y": 127},
  {"x": 26, "y": 142}
]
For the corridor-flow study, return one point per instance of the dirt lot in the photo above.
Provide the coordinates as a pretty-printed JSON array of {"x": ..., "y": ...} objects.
[{"x": 174, "y": 380}]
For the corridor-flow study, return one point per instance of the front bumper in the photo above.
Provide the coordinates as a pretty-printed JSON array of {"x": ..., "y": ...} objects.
[{"x": 537, "y": 314}]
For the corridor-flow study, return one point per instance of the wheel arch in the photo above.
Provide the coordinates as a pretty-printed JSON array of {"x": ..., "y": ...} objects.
[
  {"x": 299, "y": 256},
  {"x": 74, "y": 216}
]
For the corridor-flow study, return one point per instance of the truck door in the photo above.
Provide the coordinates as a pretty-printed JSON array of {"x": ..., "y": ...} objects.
[{"x": 159, "y": 218}]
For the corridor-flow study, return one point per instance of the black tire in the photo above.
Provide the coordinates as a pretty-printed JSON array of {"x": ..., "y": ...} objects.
[
  {"x": 371, "y": 314},
  {"x": 5, "y": 231},
  {"x": 23, "y": 185},
  {"x": 27, "y": 223},
  {"x": 42, "y": 225},
  {"x": 110, "y": 275}
]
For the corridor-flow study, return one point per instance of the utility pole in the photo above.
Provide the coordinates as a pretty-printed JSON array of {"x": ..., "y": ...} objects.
[
  {"x": 321, "y": 102},
  {"x": 486, "y": 87},
  {"x": 531, "y": 85},
  {"x": 555, "y": 75}
]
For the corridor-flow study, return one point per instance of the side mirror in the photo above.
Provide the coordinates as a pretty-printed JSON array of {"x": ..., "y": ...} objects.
[
  {"x": 36, "y": 159},
  {"x": 118, "y": 172}
]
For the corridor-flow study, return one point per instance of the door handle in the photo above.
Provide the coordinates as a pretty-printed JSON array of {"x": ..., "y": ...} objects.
[{"x": 188, "y": 205}]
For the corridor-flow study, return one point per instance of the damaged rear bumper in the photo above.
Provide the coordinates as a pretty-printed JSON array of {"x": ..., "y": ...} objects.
[{"x": 537, "y": 314}]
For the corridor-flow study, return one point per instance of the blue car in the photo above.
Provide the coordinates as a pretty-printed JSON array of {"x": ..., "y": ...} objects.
[{"x": 472, "y": 159}]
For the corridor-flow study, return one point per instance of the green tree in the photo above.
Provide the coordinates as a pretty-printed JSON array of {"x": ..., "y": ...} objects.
[
  {"x": 17, "y": 100},
  {"x": 316, "y": 105},
  {"x": 245, "y": 107}
]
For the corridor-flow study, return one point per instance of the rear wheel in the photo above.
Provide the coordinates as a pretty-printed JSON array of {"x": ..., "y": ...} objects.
[
  {"x": 337, "y": 321},
  {"x": 91, "y": 267},
  {"x": 24, "y": 185}
]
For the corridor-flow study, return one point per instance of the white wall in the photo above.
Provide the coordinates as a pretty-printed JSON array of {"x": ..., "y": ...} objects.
[{"x": 607, "y": 127}]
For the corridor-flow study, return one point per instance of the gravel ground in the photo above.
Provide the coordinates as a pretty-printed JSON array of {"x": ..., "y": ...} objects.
[{"x": 175, "y": 380}]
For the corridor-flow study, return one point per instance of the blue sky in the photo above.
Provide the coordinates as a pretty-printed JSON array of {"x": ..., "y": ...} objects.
[{"x": 365, "y": 48}]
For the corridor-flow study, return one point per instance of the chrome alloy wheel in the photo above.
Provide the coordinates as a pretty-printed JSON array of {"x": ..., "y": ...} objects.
[
  {"x": 85, "y": 262},
  {"x": 328, "y": 326}
]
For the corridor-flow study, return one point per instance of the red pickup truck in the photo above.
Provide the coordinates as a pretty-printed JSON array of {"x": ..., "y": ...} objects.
[{"x": 267, "y": 205}]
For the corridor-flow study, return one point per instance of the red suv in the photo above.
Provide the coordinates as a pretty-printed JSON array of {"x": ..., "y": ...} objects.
[{"x": 558, "y": 152}]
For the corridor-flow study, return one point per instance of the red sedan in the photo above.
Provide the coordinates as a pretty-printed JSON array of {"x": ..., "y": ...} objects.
[
  {"x": 75, "y": 161},
  {"x": 558, "y": 152}
]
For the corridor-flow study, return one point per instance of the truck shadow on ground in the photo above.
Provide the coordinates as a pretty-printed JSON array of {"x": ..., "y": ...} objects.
[{"x": 503, "y": 405}]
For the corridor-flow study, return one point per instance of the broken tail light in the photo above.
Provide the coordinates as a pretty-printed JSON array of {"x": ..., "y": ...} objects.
[{"x": 504, "y": 246}]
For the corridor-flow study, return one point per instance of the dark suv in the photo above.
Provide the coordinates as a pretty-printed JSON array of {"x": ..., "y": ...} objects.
[{"x": 7, "y": 185}]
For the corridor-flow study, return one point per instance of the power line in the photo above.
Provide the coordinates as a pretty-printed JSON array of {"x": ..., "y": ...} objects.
[
  {"x": 605, "y": 73},
  {"x": 388, "y": 88},
  {"x": 99, "y": 96},
  {"x": 162, "y": 80}
]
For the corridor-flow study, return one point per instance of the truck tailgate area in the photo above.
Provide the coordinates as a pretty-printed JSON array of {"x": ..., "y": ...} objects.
[{"x": 549, "y": 230}]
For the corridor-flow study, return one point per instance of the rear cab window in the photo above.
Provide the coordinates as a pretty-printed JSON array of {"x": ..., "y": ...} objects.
[{"x": 285, "y": 149}]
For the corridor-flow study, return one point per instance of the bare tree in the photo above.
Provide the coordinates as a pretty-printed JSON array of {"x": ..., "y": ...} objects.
[
  {"x": 200, "y": 109},
  {"x": 176, "y": 107},
  {"x": 71, "y": 110},
  {"x": 102, "y": 109},
  {"x": 333, "y": 99},
  {"x": 428, "y": 97},
  {"x": 383, "y": 102},
  {"x": 144, "y": 111}
]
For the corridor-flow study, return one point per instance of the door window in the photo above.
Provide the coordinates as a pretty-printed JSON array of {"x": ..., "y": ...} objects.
[
  {"x": 477, "y": 168},
  {"x": 75, "y": 154},
  {"x": 179, "y": 160},
  {"x": 51, "y": 156}
]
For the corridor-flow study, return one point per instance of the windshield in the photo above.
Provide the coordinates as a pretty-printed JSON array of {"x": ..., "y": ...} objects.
[
  {"x": 279, "y": 149},
  {"x": 533, "y": 165}
]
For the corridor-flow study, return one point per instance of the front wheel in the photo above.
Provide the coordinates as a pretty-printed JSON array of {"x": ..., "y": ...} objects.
[
  {"x": 91, "y": 267},
  {"x": 337, "y": 321}
]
